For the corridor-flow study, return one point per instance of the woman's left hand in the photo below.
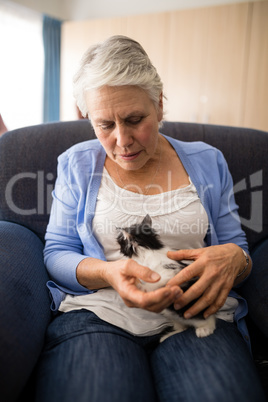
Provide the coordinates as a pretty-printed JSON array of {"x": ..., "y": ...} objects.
[{"x": 217, "y": 268}]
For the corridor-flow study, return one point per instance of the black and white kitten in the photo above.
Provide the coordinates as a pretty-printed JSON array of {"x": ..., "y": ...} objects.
[{"x": 141, "y": 243}]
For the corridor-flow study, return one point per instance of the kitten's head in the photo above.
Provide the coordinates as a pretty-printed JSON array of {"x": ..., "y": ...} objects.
[{"x": 138, "y": 235}]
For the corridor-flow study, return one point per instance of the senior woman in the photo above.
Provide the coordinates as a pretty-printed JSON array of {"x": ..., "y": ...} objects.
[{"x": 103, "y": 344}]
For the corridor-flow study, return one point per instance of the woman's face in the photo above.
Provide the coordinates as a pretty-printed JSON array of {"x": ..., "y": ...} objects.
[{"x": 125, "y": 121}]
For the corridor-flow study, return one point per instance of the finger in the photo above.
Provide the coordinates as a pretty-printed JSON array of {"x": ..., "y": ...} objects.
[
  {"x": 139, "y": 271},
  {"x": 155, "y": 300},
  {"x": 166, "y": 301},
  {"x": 218, "y": 303},
  {"x": 178, "y": 255},
  {"x": 134, "y": 297},
  {"x": 199, "y": 291},
  {"x": 186, "y": 274},
  {"x": 211, "y": 301},
  {"x": 159, "y": 299}
]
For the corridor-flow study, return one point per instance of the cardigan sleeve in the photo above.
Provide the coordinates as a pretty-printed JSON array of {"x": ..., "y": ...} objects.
[
  {"x": 69, "y": 238},
  {"x": 63, "y": 249},
  {"x": 225, "y": 215}
]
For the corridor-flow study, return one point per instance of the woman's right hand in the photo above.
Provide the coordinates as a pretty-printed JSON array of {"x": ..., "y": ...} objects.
[{"x": 123, "y": 276}]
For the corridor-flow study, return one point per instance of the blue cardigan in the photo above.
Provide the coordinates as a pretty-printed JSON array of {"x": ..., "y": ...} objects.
[{"x": 69, "y": 237}]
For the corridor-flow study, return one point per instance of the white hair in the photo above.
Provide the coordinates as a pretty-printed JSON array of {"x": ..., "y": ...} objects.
[{"x": 117, "y": 61}]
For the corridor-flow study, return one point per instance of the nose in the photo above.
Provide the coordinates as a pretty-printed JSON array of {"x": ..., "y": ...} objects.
[{"x": 123, "y": 136}]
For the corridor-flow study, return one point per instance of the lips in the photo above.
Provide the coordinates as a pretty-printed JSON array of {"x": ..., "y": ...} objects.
[{"x": 130, "y": 157}]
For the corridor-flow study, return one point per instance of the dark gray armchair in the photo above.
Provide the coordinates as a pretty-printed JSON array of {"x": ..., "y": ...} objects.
[{"x": 28, "y": 161}]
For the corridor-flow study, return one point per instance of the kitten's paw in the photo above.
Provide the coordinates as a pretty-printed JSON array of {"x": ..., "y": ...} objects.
[{"x": 202, "y": 332}]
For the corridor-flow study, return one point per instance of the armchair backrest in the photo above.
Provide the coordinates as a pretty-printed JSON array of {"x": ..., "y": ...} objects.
[{"x": 28, "y": 167}]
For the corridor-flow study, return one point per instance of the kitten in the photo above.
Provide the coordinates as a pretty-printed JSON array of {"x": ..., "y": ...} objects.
[{"x": 141, "y": 243}]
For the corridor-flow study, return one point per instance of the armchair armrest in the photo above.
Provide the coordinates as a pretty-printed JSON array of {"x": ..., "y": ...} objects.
[{"x": 24, "y": 306}]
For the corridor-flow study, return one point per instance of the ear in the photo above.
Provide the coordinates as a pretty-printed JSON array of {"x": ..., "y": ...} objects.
[
  {"x": 160, "y": 110},
  {"x": 147, "y": 220}
]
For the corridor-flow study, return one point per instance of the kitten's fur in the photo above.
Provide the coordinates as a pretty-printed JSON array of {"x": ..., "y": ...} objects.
[{"x": 141, "y": 243}]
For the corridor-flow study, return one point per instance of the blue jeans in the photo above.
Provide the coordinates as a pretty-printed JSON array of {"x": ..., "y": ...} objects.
[{"x": 89, "y": 360}]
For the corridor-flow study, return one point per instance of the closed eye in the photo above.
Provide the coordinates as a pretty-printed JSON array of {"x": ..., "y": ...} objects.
[
  {"x": 106, "y": 126},
  {"x": 134, "y": 120},
  {"x": 131, "y": 120}
]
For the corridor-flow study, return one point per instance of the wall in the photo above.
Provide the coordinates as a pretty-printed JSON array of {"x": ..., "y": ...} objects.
[{"x": 213, "y": 61}]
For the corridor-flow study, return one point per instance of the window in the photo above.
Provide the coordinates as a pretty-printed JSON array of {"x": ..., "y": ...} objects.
[{"x": 21, "y": 66}]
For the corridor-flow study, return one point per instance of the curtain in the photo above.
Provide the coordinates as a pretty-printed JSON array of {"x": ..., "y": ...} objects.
[{"x": 52, "y": 41}]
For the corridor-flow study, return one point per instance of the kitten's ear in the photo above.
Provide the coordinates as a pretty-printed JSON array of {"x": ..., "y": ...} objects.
[
  {"x": 128, "y": 246},
  {"x": 147, "y": 220},
  {"x": 122, "y": 233}
]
